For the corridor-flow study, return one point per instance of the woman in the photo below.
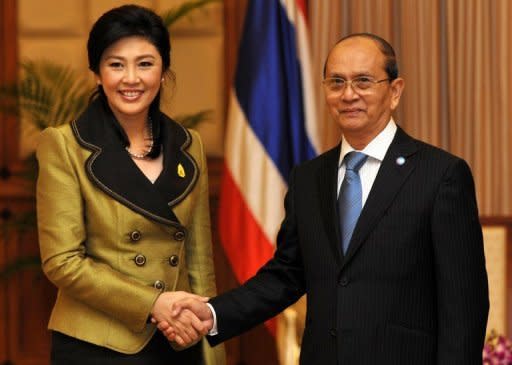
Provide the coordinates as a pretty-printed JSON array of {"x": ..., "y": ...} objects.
[{"x": 122, "y": 203}]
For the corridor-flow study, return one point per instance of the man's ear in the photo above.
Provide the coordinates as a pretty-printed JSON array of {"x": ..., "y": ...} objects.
[{"x": 397, "y": 86}]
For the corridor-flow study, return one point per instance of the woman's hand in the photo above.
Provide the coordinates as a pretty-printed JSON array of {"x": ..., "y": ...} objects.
[{"x": 186, "y": 329}]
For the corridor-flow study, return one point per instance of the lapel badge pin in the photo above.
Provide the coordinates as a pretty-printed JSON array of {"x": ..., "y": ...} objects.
[
  {"x": 181, "y": 171},
  {"x": 400, "y": 161}
]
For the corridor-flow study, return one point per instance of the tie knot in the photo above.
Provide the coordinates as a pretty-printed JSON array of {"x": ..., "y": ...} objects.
[{"x": 354, "y": 160}]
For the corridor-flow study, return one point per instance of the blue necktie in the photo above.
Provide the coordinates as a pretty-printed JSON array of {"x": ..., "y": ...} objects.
[{"x": 350, "y": 197}]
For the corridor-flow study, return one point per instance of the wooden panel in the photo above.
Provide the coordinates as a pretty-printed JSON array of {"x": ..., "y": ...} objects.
[
  {"x": 8, "y": 145},
  {"x": 30, "y": 299},
  {"x": 8, "y": 72},
  {"x": 27, "y": 296},
  {"x": 3, "y": 292}
]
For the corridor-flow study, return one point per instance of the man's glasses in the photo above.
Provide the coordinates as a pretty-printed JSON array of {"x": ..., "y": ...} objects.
[{"x": 361, "y": 84}]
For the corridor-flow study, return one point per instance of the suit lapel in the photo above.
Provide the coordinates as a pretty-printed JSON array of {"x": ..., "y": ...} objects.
[
  {"x": 327, "y": 185},
  {"x": 180, "y": 169},
  {"x": 114, "y": 172},
  {"x": 388, "y": 183}
]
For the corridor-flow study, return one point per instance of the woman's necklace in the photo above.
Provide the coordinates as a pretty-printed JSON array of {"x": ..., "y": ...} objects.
[{"x": 143, "y": 155}]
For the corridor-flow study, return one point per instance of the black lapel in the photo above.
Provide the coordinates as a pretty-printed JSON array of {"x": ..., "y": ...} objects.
[
  {"x": 388, "y": 182},
  {"x": 327, "y": 185},
  {"x": 113, "y": 171},
  {"x": 180, "y": 169}
]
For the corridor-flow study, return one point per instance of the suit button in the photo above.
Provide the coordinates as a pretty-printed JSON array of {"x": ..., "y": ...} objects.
[
  {"x": 179, "y": 235},
  {"x": 344, "y": 281},
  {"x": 140, "y": 260},
  {"x": 333, "y": 332},
  {"x": 135, "y": 236},
  {"x": 160, "y": 285},
  {"x": 174, "y": 260}
]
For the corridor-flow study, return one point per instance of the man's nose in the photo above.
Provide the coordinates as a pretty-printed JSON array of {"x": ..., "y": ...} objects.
[{"x": 349, "y": 93}]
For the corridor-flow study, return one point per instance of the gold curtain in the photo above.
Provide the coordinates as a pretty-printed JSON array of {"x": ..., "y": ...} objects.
[{"x": 455, "y": 56}]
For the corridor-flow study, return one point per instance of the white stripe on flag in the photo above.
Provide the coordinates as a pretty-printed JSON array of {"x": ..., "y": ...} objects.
[
  {"x": 297, "y": 18},
  {"x": 254, "y": 172},
  {"x": 308, "y": 87}
]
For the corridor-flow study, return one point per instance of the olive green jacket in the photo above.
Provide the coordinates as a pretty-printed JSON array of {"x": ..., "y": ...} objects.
[{"x": 111, "y": 240}]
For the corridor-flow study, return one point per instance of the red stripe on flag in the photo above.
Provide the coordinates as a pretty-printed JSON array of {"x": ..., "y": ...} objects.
[
  {"x": 244, "y": 242},
  {"x": 301, "y": 4}
]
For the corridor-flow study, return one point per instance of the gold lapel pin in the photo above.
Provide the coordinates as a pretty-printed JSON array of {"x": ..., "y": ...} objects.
[{"x": 181, "y": 171}]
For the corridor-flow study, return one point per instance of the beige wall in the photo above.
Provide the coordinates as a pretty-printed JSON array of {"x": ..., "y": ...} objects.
[
  {"x": 57, "y": 30},
  {"x": 495, "y": 245}
]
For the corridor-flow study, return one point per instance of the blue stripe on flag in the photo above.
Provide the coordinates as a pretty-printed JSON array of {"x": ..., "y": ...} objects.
[{"x": 268, "y": 84}]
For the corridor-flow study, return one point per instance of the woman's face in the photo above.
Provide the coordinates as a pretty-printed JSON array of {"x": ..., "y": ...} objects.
[{"x": 131, "y": 74}]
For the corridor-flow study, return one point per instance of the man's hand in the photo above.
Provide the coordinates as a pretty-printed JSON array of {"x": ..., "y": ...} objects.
[
  {"x": 191, "y": 306},
  {"x": 186, "y": 329}
]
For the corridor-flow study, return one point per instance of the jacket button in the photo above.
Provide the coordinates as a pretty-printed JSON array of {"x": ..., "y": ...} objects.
[
  {"x": 140, "y": 260},
  {"x": 179, "y": 235},
  {"x": 344, "y": 281},
  {"x": 160, "y": 285},
  {"x": 135, "y": 236},
  {"x": 332, "y": 332},
  {"x": 174, "y": 260}
]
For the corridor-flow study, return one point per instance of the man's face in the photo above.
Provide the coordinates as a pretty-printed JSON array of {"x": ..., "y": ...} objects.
[{"x": 362, "y": 114}]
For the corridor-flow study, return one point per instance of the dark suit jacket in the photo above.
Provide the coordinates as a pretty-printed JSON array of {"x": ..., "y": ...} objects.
[{"x": 412, "y": 288}]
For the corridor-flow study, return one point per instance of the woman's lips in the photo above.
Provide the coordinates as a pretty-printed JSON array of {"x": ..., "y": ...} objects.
[{"x": 131, "y": 94}]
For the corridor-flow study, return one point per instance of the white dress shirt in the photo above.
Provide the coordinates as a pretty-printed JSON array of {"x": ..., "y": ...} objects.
[{"x": 375, "y": 150}]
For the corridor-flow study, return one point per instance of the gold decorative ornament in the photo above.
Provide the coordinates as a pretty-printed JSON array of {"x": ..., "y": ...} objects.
[{"x": 181, "y": 171}]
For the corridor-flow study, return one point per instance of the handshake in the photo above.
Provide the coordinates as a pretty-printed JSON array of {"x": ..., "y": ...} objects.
[{"x": 182, "y": 317}]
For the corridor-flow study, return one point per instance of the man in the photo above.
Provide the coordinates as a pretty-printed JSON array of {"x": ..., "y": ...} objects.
[{"x": 403, "y": 281}]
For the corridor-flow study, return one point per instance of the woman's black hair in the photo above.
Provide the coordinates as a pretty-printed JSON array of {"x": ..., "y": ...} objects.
[{"x": 128, "y": 21}]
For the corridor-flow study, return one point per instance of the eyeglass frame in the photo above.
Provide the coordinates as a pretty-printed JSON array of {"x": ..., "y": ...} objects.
[{"x": 356, "y": 89}]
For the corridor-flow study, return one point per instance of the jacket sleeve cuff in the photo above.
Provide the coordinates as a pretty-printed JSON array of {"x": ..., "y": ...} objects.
[{"x": 214, "y": 330}]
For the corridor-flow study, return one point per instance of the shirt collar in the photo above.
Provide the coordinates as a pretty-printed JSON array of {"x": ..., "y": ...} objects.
[{"x": 377, "y": 148}]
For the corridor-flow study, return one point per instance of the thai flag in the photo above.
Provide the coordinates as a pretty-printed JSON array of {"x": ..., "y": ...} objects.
[{"x": 271, "y": 128}]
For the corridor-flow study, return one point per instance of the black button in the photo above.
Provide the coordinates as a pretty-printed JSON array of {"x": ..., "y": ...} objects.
[
  {"x": 174, "y": 260},
  {"x": 160, "y": 285},
  {"x": 333, "y": 332},
  {"x": 135, "y": 236},
  {"x": 179, "y": 235},
  {"x": 344, "y": 281},
  {"x": 140, "y": 260}
]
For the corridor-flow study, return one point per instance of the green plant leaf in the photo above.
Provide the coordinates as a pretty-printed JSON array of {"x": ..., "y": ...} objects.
[
  {"x": 51, "y": 94},
  {"x": 192, "y": 120},
  {"x": 48, "y": 94},
  {"x": 174, "y": 14}
]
